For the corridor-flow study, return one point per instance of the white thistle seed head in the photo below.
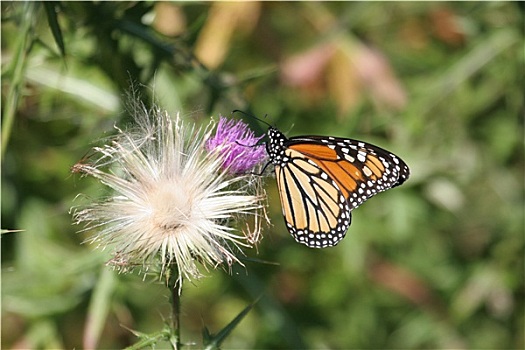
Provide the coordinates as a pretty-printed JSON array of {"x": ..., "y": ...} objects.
[{"x": 172, "y": 199}]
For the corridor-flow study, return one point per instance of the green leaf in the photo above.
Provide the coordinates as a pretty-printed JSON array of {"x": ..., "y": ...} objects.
[
  {"x": 50, "y": 7},
  {"x": 214, "y": 341},
  {"x": 4, "y": 231},
  {"x": 149, "y": 340},
  {"x": 24, "y": 43},
  {"x": 99, "y": 308}
]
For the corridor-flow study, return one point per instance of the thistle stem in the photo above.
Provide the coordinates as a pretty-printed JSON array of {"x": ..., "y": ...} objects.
[{"x": 174, "y": 284}]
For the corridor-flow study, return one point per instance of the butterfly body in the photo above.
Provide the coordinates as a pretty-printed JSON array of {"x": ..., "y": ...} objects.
[{"x": 322, "y": 179}]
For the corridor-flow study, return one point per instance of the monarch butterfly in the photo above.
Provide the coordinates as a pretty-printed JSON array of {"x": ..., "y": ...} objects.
[{"x": 322, "y": 179}]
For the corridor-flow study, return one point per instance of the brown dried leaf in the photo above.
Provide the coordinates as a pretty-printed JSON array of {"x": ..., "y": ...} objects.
[
  {"x": 169, "y": 19},
  {"x": 378, "y": 77},
  {"x": 446, "y": 27},
  {"x": 225, "y": 19},
  {"x": 401, "y": 281},
  {"x": 307, "y": 67}
]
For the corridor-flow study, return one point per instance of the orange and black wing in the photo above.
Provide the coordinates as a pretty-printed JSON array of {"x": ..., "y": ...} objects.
[
  {"x": 322, "y": 179},
  {"x": 314, "y": 208}
]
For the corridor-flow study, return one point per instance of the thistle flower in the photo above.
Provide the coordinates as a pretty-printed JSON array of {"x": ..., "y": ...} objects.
[
  {"x": 172, "y": 199},
  {"x": 238, "y": 146}
]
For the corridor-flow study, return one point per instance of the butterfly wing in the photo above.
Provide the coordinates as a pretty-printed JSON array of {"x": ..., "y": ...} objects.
[
  {"x": 360, "y": 169},
  {"x": 314, "y": 209},
  {"x": 323, "y": 178}
]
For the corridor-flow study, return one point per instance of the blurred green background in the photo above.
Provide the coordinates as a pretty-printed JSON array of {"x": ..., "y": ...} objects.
[{"x": 435, "y": 263}]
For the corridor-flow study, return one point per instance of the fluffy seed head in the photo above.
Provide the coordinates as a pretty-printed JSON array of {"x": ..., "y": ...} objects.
[{"x": 171, "y": 199}]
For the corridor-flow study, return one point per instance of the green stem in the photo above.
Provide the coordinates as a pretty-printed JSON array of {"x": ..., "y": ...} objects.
[
  {"x": 25, "y": 42},
  {"x": 174, "y": 284}
]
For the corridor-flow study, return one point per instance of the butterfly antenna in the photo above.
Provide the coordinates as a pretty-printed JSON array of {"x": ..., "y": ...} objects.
[{"x": 251, "y": 116}]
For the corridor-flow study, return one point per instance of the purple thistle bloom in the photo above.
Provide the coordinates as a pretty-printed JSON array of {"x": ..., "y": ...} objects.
[{"x": 237, "y": 145}]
